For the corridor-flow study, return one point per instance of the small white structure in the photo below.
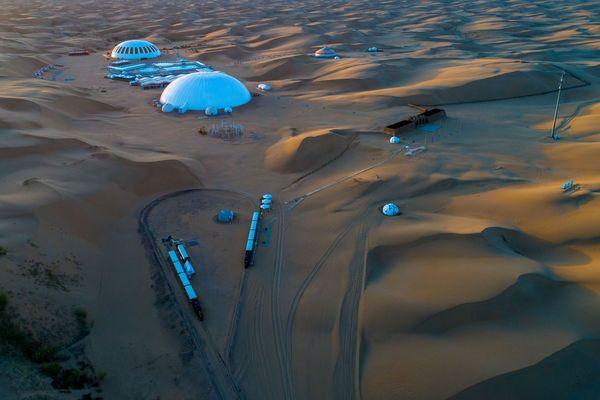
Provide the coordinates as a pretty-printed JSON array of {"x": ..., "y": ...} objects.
[
  {"x": 211, "y": 111},
  {"x": 135, "y": 50},
  {"x": 264, "y": 87},
  {"x": 202, "y": 90},
  {"x": 326, "y": 52},
  {"x": 409, "y": 151},
  {"x": 390, "y": 210},
  {"x": 568, "y": 185},
  {"x": 394, "y": 140}
]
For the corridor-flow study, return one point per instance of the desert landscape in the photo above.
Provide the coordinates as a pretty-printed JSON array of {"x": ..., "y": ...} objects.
[{"x": 485, "y": 285}]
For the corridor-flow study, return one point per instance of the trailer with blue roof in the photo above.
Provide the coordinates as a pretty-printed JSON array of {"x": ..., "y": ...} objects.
[
  {"x": 185, "y": 283},
  {"x": 252, "y": 240}
]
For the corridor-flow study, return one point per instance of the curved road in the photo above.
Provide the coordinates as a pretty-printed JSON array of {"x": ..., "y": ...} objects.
[{"x": 217, "y": 369}]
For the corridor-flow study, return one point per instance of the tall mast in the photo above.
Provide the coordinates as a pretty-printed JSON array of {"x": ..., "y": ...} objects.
[{"x": 553, "y": 135}]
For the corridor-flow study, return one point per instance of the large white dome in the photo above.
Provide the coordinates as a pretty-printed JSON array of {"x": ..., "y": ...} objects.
[
  {"x": 135, "y": 50},
  {"x": 201, "y": 90}
]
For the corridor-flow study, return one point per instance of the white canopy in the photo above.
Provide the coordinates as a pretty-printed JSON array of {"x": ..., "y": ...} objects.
[
  {"x": 325, "y": 52},
  {"x": 205, "y": 89}
]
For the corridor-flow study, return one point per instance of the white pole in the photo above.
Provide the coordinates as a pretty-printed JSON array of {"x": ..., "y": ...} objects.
[{"x": 553, "y": 135}]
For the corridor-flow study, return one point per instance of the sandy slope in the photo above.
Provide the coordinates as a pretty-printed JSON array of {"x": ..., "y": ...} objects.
[{"x": 486, "y": 286}]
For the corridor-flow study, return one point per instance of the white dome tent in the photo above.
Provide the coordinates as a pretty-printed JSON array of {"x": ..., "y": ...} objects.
[
  {"x": 204, "y": 90},
  {"x": 326, "y": 52},
  {"x": 135, "y": 50},
  {"x": 390, "y": 210}
]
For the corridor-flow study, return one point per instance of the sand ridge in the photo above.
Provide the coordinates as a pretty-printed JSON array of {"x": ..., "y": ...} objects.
[{"x": 485, "y": 286}]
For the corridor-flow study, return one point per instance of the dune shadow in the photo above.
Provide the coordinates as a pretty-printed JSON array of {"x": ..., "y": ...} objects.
[
  {"x": 533, "y": 247},
  {"x": 525, "y": 298},
  {"x": 570, "y": 373}
]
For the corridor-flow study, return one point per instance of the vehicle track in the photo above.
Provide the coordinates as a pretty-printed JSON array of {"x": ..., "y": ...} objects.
[
  {"x": 347, "y": 369},
  {"x": 222, "y": 380},
  {"x": 237, "y": 309},
  {"x": 567, "y": 120},
  {"x": 306, "y": 283},
  {"x": 295, "y": 201},
  {"x": 282, "y": 353}
]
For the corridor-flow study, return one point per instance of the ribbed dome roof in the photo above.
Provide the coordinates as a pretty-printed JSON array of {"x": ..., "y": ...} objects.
[
  {"x": 201, "y": 90},
  {"x": 390, "y": 209},
  {"x": 135, "y": 50}
]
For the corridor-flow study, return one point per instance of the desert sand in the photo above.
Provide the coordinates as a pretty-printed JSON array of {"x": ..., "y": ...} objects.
[{"x": 487, "y": 286}]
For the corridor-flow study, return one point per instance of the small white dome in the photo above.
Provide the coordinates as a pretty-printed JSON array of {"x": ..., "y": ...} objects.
[
  {"x": 394, "y": 140},
  {"x": 390, "y": 209},
  {"x": 210, "y": 111},
  {"x": 201, "y": 90},
  {"x": 135, "y": 50},
  {"x": 325, "y": 52}
]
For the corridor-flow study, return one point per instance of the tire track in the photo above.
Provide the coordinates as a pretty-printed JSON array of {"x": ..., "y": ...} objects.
[
  {"x": 289, "y": 340},
  {"x": 281, "y": 350},
  {"x": 567, "y": 120},
  {"x": 347, "y": 369}
]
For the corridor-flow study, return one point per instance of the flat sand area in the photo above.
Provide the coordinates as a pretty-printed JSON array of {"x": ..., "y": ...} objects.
[{"x": 487, "y": 286}]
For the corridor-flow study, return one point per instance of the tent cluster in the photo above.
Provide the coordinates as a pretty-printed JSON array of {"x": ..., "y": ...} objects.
[
  {"x": 39, "y": 74},
  {"x": 266, "y": 201}
]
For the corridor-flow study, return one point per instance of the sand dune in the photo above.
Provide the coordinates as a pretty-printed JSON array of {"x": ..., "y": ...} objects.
[
  {"x": 486, "y": 285},
  {"x": 568, "y": 368},
  {"x": 45, "y": 104},
  {"x": 305, "y": 152}
]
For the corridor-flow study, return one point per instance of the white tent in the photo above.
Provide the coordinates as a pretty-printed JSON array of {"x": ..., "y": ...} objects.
[
  {"x": 390, "y": 209},
  {"x": 206, "y": 89},
  {"x": 135, "y": 50},
  {"x": 326, "y": 52}
]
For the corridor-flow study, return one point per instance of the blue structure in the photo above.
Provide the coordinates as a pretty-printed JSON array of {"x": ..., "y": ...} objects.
[
  {"x": 225, "y": 216},
  {"x": 251, "y": 242},
  {"x": 185, "y": 283}
]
